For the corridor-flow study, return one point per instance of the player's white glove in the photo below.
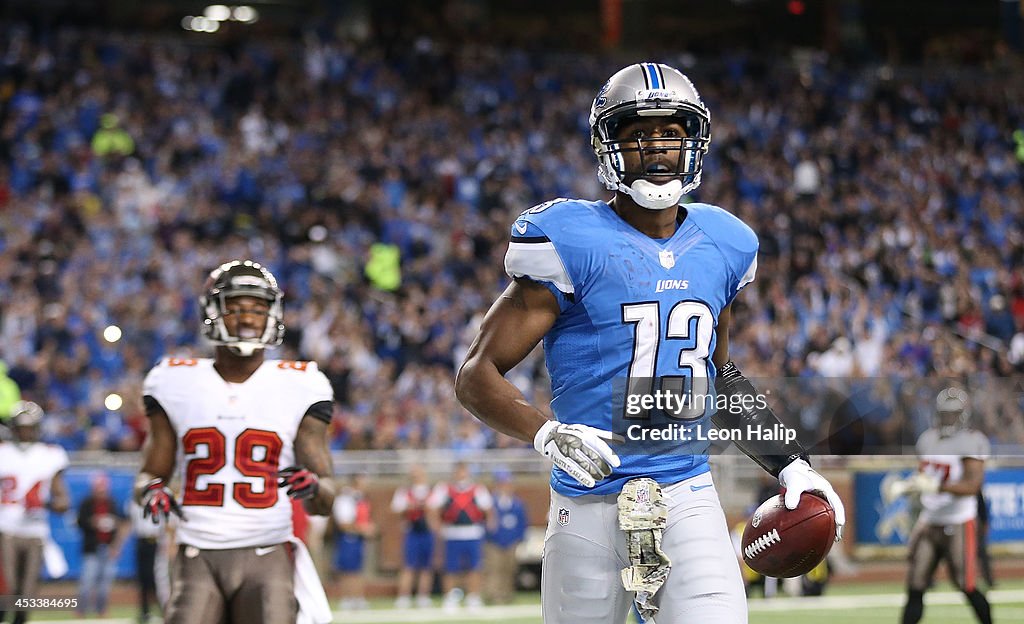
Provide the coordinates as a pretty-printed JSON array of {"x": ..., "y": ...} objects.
[
  {"x": 918, "y": 482},
  {"x": 798, "y": 477},
  {"x": 579, "y": 450}
]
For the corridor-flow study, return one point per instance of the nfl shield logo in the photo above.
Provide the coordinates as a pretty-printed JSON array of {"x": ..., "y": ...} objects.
[
  {"x": 563, "y": 516},
  {"x": 756, "y": 520},
  {"x": 668, "y": 259},
  {"x": 643, "y": 495}
]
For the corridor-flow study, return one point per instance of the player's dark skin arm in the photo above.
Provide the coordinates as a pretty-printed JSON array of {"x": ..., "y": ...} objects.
[
  {"x": 312, "y": 452},
  {"x": 970, "y": 483},
  {"x": 721, "y": 354},
  {"x": 59, "y": 499},
  {"x": 159, "y": 451},
  {"x": 511, "y": 329}
]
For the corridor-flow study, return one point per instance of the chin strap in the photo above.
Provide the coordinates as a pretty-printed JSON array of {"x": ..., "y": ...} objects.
[{"x": 654, "y": 196}]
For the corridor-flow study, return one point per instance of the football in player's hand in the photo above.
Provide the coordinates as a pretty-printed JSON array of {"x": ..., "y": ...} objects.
[{"x": 785, "y": 543}]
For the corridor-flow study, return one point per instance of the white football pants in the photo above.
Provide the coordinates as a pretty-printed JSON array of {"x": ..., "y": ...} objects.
[{"x": 584, "y": 551}]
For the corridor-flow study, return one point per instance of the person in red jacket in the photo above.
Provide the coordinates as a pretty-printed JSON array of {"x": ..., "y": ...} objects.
[{"x": 461, "y": 509}]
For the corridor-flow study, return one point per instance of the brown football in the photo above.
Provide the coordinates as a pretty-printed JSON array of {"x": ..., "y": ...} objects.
[{"x": 782, "y": 543}]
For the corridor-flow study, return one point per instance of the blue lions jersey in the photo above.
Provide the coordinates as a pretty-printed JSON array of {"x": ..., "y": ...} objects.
[{"x": 636, "y": 313}]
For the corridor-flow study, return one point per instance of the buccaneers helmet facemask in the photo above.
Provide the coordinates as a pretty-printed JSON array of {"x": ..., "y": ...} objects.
[
  {"x": 242, "y": 278},
  {"x": 668, "y": 167}
]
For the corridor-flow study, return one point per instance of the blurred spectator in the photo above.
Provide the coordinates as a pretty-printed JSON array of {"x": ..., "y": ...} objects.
[
  {"x": 461, "y": 509},
  {"x": 506, "y": 529},
  {"x": 354, "y": 527},
  {"x": 418, "y": 552},
  {"x": 10, "y": 394},
  {"x": 104, "y": 528}
]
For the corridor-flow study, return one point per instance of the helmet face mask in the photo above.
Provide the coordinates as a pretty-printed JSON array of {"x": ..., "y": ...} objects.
[
  {"x": 236, "y": 288},
  {"x": 650, "y": 91}
]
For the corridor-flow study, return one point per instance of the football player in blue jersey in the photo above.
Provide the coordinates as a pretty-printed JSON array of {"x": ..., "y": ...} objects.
[{"x": 631, "y": 297}]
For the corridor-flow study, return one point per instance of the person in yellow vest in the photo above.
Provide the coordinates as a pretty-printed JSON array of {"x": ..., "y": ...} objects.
[
  {"x": 352, "y": 518},
  {"x": 111, "y": 139},
  {"x": 10, "y": 395}
]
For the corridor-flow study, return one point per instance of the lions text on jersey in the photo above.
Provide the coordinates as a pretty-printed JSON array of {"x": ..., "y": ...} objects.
[
  {"x": 232, "y": 440},
  {"x": 634, "y": 308}
]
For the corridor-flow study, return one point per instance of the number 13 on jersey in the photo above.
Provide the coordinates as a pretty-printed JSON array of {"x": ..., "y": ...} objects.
[{"x": 688, "y": 331}]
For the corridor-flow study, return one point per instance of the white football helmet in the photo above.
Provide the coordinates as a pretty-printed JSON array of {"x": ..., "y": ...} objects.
[
  {"x": 241, "y": 278},
  {"x": 650, "y": 90},
  {"x": 952, "y": 411}
]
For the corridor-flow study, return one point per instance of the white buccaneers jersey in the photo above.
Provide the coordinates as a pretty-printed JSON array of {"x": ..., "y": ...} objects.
[
  {"x": 26, "y": 472},
  {"x": 944, "y": 457},
  {"x": 232, "y": 440}
]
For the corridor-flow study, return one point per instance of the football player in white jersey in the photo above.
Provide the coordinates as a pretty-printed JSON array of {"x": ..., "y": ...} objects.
[
  {"x": 952, "y": 470},
  {"x": 31, "y": 483},
  {"x": 238, "y": 427}
]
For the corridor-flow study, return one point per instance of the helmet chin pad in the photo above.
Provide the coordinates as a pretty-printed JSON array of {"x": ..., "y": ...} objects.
[
  {"x": 243, "y": 348},
  {"x": 654, "y": 196}
]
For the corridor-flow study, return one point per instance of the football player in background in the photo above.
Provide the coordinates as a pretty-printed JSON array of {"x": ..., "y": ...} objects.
[
  {"x": 418, "y": 552},
  {"x": 952, "y": 470},
  {"x": 243, "y": 426},
  {"x": 31, "y": 484},
  {"x": 627, "y": 293}
]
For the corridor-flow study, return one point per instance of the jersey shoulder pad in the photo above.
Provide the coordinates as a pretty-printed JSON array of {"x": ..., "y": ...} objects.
[
  {"x": 306, "y": 375},
  {"x": 170, "y": 373},
  {"x": 733, "y": 238},
  {"x": 726, "y": 229},
  {"x": 549, "y": 243},
  {"x": 59, "y": 457}
]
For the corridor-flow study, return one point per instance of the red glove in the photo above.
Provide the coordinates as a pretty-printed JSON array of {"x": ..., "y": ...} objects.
[
  {"x": 158, "y": 502},
  {"x": 301, "y": 482}
]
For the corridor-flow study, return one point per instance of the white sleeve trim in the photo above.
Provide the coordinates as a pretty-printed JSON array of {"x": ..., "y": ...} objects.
[
  {"x": 538, "y": 261},
  {"x": 749, "y": 275}
]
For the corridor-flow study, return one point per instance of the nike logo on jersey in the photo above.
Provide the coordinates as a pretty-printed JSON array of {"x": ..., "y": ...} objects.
[
  {"x": 697, "y": 488},
  {"x": 670, "y": 284},
  {"x": 264, "y": 550},
  {"x": 521, "y": 228}
]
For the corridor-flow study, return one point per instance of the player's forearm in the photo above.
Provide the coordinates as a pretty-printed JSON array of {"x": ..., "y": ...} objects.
[
  {"x": 323, "y": 501},
  {"x": 961, "y": 488},
  {"x": 773, "y": 456},
  {"x": 495, "y": 401}
]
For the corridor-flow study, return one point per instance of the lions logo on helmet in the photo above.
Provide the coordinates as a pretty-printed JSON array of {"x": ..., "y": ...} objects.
[
  {"x": 650, "y": 90},
  {"x": 951, "y": 411},
  {"x": 241, "y": 278}
]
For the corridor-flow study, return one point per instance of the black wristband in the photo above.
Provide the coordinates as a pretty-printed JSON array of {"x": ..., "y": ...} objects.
[{"x": 772, "y": 456}]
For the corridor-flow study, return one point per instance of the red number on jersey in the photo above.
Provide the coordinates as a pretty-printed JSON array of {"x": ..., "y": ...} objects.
[
  {"x": 7, "y": 487},
  {"x": 937, "y": 469},
  {"x": 265, "y": 468},
  {"x": 246, "y": 461},
  {"x": 213, "y": 495},
  {"x": 182, "y": 362},
  {"x": 292, "y": 365}
]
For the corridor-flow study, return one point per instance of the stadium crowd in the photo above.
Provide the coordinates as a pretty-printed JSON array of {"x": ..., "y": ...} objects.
[{"x": 889, "y": 206}]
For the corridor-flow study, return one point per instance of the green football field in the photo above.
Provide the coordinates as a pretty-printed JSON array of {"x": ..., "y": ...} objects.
[{"x": 843, "y": 604}]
